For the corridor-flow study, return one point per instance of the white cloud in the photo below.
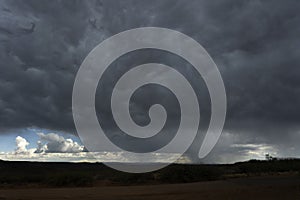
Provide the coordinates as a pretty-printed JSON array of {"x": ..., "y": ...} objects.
[
  {"x": 21, "y": 145},
  {"x": 89, "y": 157},
  {"x": 55, "y": 143},
  {"x": 53, "y": 147}
]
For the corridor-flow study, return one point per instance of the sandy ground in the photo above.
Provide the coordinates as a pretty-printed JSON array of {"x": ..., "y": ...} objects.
[{"x": 287, "y": 188}]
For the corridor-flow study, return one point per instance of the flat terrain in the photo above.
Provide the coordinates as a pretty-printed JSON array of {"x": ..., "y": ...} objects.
[{"x": 268, "y": 187}]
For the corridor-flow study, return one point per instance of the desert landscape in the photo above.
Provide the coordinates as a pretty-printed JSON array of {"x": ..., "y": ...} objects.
[
  {"x": 281, "y": 187},
  {"x": 246, "y": 180}
]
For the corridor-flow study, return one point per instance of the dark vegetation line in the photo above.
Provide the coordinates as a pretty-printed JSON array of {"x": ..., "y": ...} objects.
[{"x": 14, "y": 174}]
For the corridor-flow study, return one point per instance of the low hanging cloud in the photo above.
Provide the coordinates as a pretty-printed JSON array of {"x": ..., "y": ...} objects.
[
  {"x": 55, "y": 148},
  {"x": 54, "y": 143},
  {"x": 235, "y": 148}
]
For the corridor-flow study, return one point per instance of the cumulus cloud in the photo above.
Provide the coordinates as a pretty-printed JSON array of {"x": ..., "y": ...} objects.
[
  {"x": 48, "y": 143},
  {"x": 55, "y": 148},
  {"x": 55, "y": 143},
  {"x": 21, "y": 149},
  {"x": 21, "y": 145}
]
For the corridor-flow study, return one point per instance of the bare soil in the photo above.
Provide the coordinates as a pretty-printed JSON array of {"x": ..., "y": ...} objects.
[{"x": 270, "y": 187}]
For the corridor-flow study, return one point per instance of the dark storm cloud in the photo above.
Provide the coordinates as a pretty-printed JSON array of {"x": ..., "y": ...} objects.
[
  {"x": 254, "y": 43},
  {"x": 42, "y": 46}
]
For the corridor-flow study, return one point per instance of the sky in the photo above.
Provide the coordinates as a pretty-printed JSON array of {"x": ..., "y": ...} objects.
[{"x": 255, "y": 45}]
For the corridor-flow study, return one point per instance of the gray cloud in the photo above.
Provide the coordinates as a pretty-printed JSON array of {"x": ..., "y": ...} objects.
[{"x": 254, "y": 43}]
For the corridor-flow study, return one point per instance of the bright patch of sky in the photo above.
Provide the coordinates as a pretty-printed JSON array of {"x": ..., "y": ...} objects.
[
  {"x": 46, "y": 146},
  {"x": 8, "y": 143}
]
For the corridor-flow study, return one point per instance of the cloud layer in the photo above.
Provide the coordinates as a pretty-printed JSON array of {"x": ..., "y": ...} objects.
[
  {"x": 58, "y": 149},
  {"x": 254, "y": 43}
]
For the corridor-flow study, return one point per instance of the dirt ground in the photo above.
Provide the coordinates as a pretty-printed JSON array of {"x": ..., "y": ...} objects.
[{"x": 240, "y": 188}]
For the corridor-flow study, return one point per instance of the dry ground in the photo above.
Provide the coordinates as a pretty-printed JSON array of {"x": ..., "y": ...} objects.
[{"x": 279, "y": 187}]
